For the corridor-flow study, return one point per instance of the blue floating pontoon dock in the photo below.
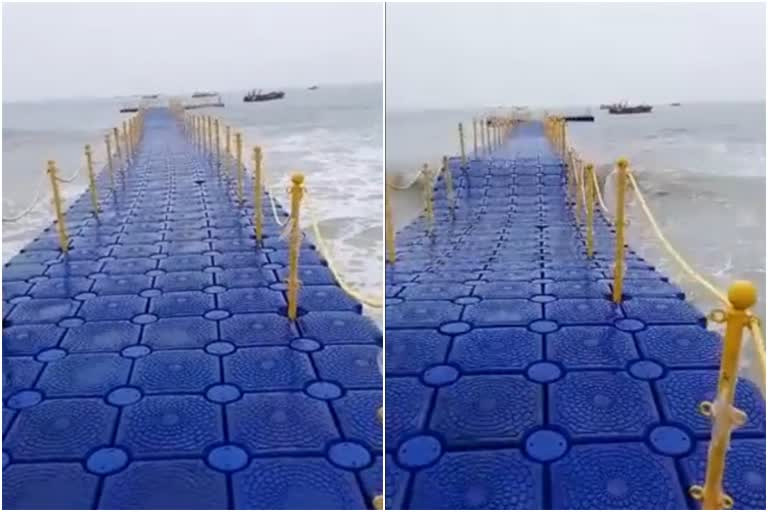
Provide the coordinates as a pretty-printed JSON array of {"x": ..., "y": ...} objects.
[
  {"x": 154, "y": 366},
  {"x": 513, "y": 381}
]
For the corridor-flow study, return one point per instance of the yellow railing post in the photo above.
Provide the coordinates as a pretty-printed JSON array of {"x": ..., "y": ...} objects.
[
  {"x": 110, "y": 165},
  {"x": 378, "y": 500},
  {"x": 209, "y": 123},
  {"x": 571, "y": 176},
  {"x": 203, "y": 136},
  {"x": 125, "y": 143},
  {"x": 562, "y": 136},
  {"x": 227, "y": 145},
  {"x": 91, "y": 179},
  {"x": 618, "y": 270},
  {"x": 474, "y": 136},
  {"x": 218, "y": 142},
  {"x": 448, "y": 181},
  {"x": 742, "y": 295},
  {"x": 461, "y": 143},
  {"x": 130, "y": 137},
  {"x": 116, "y": 134},
  {"x": 482, "y": 136},
  {"x": 428, "y": 197},
  {"x": 578, "y": 172},
  {"x": 57, "y": 206},
  {"x": 258, "y": 195},
  {"x": 590, "y": 209},
  {"x": 389, "y": 230},
  {"x": 297, "y": 191},
  {"x": 239, "y": 150}
]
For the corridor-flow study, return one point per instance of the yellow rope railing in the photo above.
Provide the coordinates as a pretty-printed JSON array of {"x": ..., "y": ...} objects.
[
  {"x": 419, "y": 176},
  {"x": 26, "y": 211},
  {"x": 668, "y": 246},
  {"x": 321, "y": 243},
  {"x": 757, "y": 338},
  {"x": 40, "y": 193}
]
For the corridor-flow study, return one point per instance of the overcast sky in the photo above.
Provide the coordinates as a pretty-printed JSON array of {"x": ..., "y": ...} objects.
[
  {"x": 82, "y": 50},
  {"x": 468, "y": 55}
]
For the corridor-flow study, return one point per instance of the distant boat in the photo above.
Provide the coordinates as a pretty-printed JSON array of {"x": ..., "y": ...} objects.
[
  {"x": 675, "y": 104},
  {"x": 150, "y": 96},
  {"x": 199, "y": 94},
  {"x": 623, "y": 108},
  {"x": 258, "y": 96},
  {"x": 217, "y": 103},
  {"x": 313, "y": 88}
]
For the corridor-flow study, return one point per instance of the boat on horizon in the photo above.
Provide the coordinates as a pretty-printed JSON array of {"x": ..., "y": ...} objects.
[
  {"x": 624, "y": 108},
  {"x": 312, "y": 88},
  {"x": 258, "y": 96},
  {"x": 198, "y": 94},
  {"x": 674, "y": 104},
  {"x": 217, "y": 103}
]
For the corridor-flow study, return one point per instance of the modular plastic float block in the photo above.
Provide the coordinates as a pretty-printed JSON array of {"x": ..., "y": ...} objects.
[
  {"x": 514, "y": 381},
  {"x": 153, "y": 365}
]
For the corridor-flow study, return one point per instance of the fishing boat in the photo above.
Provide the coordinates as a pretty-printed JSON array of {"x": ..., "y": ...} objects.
[
  {"x": 209, "y": 104},
  {"x": 623, "y": 108},
  {"x": 205, "y": 104},
  {"x": 199, "y": 94},
  {"x": 258, "y": 96}
]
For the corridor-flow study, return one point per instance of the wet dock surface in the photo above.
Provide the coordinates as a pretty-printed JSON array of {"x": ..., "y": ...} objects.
[
  {"x": 154, "y": 366},
  {"x": 512, "y": 379}
]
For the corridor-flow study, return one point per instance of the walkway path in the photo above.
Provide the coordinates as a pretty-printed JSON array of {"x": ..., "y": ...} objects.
[
  {"x": 513, "y": 381},
  {"x": 154, "y": 365}
]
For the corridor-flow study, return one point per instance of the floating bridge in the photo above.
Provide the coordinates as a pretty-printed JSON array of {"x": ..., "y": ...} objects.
[
  {"x": 514, "y": 381},
  {"x": 153, "y": 365}
]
